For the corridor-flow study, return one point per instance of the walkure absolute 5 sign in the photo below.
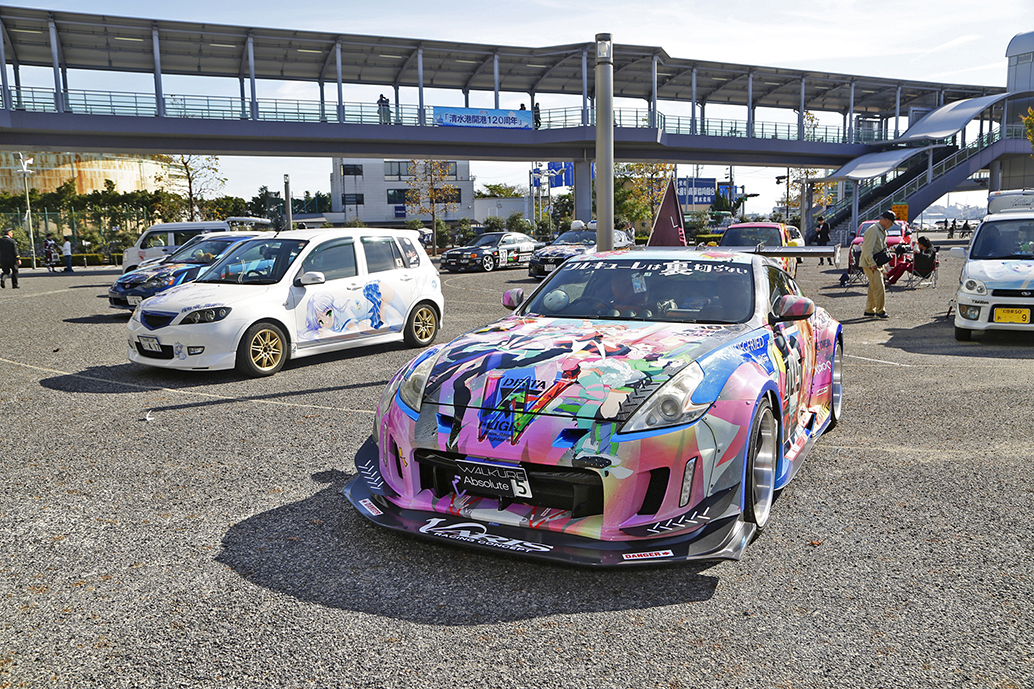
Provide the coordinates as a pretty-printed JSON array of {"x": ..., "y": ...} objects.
[{"x": 473, "y": 117}]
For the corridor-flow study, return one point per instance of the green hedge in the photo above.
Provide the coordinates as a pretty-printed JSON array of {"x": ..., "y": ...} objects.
[{"x": 77, "y": 260}]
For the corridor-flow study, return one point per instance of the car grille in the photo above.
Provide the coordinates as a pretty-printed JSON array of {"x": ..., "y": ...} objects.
[
  {"x": 154, "y": 319},
  {"x": 166, "y": 352},
  {"x": 1015, "y": 293},
  {"x": 114, "y": 301},
  {"x": 563, "y": 488}
]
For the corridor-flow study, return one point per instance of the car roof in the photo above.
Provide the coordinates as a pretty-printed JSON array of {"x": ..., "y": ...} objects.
[
  {"x": 674, "y": 253},
  {"x": 306, "y": 235},
  {"x": 755, "y": 224}
]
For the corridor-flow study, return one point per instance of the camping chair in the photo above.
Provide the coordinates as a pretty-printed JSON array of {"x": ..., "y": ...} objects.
[
  {"x": 854, "y": 275},
  {"x": 924, "y": 270}
]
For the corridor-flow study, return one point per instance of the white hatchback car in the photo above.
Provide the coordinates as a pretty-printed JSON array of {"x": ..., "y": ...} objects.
[
  {"x": 292, "y": 295},
  {"x": 996, "y": 288}
]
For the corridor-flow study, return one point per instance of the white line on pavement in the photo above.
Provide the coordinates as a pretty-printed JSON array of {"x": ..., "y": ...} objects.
[{"x": 878, "y": 361}]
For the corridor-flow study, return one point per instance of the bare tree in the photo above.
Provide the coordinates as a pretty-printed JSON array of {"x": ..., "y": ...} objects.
[
  {"x": 195, "y": 176},
  {"x": 429, "y": 191}
]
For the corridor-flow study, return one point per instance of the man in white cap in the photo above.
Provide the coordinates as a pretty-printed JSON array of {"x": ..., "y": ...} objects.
[{"x": 874, "y": 242}]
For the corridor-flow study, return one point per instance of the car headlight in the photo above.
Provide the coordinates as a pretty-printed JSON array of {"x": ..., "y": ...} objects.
[
  {"x": 159, "y": 282},
  {"x": 972, "y": 286},
  {"x": 206, "y": 315},
  {"x": 412, "y": 390},
  {"x": 672, "y": 404}
]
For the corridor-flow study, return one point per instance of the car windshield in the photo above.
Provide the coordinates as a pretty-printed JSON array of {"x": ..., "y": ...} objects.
[
  {"x": 203, "y": 251},
  {"x": 673, "y": 291},
  {"x": 894, "y": 231},
  {"x": 487, "y": 240},
  {"x": 580, "y": 237},
  {"x": 1004, "y": 239},
  {"x": 259, "y": 261},
  {"x": 751, "y": 235}
]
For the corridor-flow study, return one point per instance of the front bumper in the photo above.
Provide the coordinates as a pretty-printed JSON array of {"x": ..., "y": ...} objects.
[
  {"x": 722, "y": 536},
  {"x": 121, "y": 299},
  {"x": 992, "y": 314},
  {"x": 219, "y": 341}
]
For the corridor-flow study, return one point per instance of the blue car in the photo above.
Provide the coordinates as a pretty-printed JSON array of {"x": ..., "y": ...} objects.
[{"x": 186, "y": 265}]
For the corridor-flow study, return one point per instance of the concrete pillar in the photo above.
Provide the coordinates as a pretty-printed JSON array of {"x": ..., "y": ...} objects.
[
  {"x": 693, "y": 112},
  {"x": 251, "y": 76},
  {"x": 340, "y": 84},
  {"x": 585, "y": 88},
  {"x": 3, "y": 70},
  {"x": 994, "y": 183},
  {"x": 897, "y": 113},
  {"x": 495, "y": 78},
  {"x": 420, "y": 84},
  {"x": 653, "y": 92},
  {"x": 583, "y": 190},
  {"x": 750, "y": 104},
  {"x": 59, "y": 94},
  {"x": 850, "y": 116},
  {"x": 800, "y": 113},
  {"x": 159, "y": 95}
]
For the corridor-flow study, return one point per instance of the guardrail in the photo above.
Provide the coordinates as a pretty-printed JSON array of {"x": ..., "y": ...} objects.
[{"x": 85, "y": 102}]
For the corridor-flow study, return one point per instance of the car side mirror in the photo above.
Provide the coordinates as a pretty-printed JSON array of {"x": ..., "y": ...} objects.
[
  {"x": 791, "y": 307},
  {"x": 512, "y": 298},
  {"x": 957, "y": 252},
  {"x": 313, "y": 278}
]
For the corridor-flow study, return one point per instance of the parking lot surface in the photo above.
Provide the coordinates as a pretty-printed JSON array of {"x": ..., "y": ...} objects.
[{"x": 169, "y": 529}]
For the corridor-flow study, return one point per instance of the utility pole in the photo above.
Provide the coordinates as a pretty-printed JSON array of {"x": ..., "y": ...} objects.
[
  {"x": 288, "y": 211},
  {"x": 604, "y": 142}
]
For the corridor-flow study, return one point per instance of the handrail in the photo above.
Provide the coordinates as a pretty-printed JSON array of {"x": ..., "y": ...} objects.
[{"x": 89, "y": 102}]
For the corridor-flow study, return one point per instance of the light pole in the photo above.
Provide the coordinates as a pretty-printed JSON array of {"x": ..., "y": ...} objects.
[
  {"x": 604, "y": 142},
  {"x": 24, "y": 171},
  {"x": 288, "y": 211}
]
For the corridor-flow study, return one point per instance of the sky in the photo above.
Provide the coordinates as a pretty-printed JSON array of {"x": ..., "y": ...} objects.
[{"x": 953, "y": 41}]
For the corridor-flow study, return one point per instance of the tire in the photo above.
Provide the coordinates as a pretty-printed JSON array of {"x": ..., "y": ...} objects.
[
  {"x": 422, "y": 326},
  {"x": 759, "y": 490},
  {"x": 488, "y": 264},
  {"x": 262, "y": 351},
  {"x": 963, "y": 334},
  {"x": 836, "y": 387}
]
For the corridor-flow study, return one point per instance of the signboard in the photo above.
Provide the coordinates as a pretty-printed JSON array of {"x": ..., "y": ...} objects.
[
  {"x": 400, "y": 211},
  {"x": 696, "y": 190},
  {"x": 726, "y": 191},
  {"x": 900, "y": 210},
  {"x": 488, "y": 119},
  {"x": 560, "y": 175}
]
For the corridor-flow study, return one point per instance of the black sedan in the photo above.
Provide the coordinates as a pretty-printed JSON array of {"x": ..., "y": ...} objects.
[{"x": 490, "y": 251}]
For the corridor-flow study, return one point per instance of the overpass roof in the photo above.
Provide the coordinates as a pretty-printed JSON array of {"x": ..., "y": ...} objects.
[{"x": 106, "y": 43}]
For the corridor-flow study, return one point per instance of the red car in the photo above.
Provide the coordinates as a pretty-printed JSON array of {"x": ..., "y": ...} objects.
[{"x": 899, "y": 233}]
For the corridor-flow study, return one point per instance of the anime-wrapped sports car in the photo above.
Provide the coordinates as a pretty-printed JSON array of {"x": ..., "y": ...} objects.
[{"x": 640, "y": 406}]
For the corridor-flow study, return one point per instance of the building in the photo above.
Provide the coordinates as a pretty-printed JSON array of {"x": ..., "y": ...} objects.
[
  {"x": 374, "y": 191},
  {"x": 89, "y": 170}
]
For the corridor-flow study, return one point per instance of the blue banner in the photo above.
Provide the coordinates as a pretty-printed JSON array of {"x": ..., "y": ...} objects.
[
  {"x": 698, "y": 190},
  {"x": 560, "y": 175},
  {"x": 474, "y": 117}
]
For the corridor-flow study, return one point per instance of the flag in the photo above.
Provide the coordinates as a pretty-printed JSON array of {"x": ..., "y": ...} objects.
[{"x": 667, "y": 226}]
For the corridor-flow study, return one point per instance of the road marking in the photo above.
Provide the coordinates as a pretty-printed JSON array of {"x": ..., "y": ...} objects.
[
  {"x": 878, "y": 361},
  {"x": 183, "y": 392},
  {"x": 35, "y": 294}
]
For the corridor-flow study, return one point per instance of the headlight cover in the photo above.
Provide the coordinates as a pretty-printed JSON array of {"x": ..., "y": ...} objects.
[
  {"x": 672, "y": 404},
  {"x": 206, "y": 315},
  {"x": 412, "y": 390},
  {"x": 971, "y": 286},
  {"x": 164, "y": 281}
]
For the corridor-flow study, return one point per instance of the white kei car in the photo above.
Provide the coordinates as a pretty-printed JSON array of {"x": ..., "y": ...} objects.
[{"x": 290, "y": 295}]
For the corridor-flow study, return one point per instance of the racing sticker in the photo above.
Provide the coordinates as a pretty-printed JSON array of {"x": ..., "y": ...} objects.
[
  {"x": 649, "y": 555},
  {"x": 472, "y": 532},
  {"x": 370, "y": 507}
]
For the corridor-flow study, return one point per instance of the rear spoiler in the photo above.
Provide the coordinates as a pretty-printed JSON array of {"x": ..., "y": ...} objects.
[{"x": 780, "y": 251}]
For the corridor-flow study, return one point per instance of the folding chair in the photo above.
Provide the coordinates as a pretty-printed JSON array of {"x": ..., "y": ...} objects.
[
  {"x": 924, "y": 270},
  {"x": 854, "y": 275}
]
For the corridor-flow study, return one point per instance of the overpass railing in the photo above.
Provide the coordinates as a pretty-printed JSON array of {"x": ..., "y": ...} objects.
[{"x": 35, "y": 99}]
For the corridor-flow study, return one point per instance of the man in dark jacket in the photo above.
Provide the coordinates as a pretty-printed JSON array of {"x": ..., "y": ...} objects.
[
  {"x": 822, "y": 237},
  {"x": 9, "y": 259}
]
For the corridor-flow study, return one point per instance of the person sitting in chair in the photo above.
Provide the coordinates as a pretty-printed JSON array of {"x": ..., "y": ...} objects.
[{"x": 923, "y": 261}]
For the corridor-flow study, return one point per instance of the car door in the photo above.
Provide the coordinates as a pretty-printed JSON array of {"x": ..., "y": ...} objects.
[
  {"x": 525, "y": 247},
  {"x": 389, "y": 284},
  {"x": 796, "y": 347},
  {"x": 332, "y": 310},
  {"x": 509, "y": 251}
]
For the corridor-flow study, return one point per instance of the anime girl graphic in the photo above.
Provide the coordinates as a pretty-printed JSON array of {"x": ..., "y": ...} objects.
[{"x": 326, "y": 317}]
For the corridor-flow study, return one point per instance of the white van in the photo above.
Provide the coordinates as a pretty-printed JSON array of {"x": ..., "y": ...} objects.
[{"x": 165, "y": 238}]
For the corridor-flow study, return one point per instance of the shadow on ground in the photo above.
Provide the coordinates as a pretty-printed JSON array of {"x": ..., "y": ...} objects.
[
  {"x": 321, "y": 551},
  {"x": 937, "y": 337}
]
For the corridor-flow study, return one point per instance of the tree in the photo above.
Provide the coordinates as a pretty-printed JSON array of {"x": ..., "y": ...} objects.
[
  {"x": 516, "y": 222},
  {"x": 197, "y": 175},
  {"x": 1028, "y": 122},
  {"x": 500, "y": 191},
  {"x": 430, "y": 192},
  {"x": 645, "y": 184}
]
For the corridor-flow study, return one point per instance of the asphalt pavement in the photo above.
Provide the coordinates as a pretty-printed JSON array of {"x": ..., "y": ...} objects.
[{"x": 174, "y": 529}]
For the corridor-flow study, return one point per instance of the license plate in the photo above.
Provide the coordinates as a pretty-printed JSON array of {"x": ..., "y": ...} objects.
[
  {"x": 549, "y": 268},
  {"x": 1012, "y": 315},
  {"x": 150, "y": 344},
  {"x": 133, "y": 301},
  {"x": 490, "y": 478}
]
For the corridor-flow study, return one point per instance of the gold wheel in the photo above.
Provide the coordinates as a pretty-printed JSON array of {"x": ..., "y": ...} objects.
[
  {"x": 267, "y": 349},
  {"x": 422, "y": 326}
]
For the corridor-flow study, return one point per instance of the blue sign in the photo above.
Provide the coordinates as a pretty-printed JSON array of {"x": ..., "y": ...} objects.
[
  {"x": 698, "y": 190},
  {"x": 491, "y": 119},
  {"x": 560, "y": 175},
  {"x": 400, "y": 211},
  {"x": 728, "y": 192}
]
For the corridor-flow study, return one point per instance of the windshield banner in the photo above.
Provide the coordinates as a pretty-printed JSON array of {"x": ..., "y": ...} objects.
[{"x": 473, "y": 117}]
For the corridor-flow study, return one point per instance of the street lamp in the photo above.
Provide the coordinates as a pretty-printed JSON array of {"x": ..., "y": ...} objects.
[
  {"x": 604, "y": 142},
  {"x": 288, "y": 211},
  {"x": 24, "y": 171}
]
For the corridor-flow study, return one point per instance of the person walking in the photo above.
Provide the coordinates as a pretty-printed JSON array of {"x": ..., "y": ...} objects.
[
  {"x": 384, "y": 110},
  {"x": 874, "y": 242},
  {"x": 822, "y": 237},
  {"x": 66, "y": 251},
  {"x": 50, "y": 253},
  {"x": 536, "y": 115},
  {"x": 9, "y": 259}
]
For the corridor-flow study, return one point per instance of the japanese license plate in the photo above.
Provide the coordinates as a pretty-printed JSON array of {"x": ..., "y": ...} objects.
[
  {"x": 491, "y": 478},
  {"x": 133, "y": 301},
  {"x": 1012, "y": 315},
  {"x": 549, "y": 267},
  {"x": 150, "y": 344}
]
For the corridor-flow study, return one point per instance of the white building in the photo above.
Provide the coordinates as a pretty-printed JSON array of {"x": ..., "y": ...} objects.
[{"x": 374, "y": 190}]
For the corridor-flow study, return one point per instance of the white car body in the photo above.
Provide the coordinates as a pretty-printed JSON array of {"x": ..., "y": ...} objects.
[
  {"x": 369, "y": 301},
  {"x": 996, "y": 287},
  {"x": 163, "y": 239}
]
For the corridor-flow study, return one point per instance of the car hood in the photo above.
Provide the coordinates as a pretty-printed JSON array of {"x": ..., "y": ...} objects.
[
  {"x": 195, "y": 295},
  {"x": 562, "y": 250},
  {"x": 567, "y": 367},
  {"x": 1002, "y": 274},
  {"x": 142, "y": 275}
]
